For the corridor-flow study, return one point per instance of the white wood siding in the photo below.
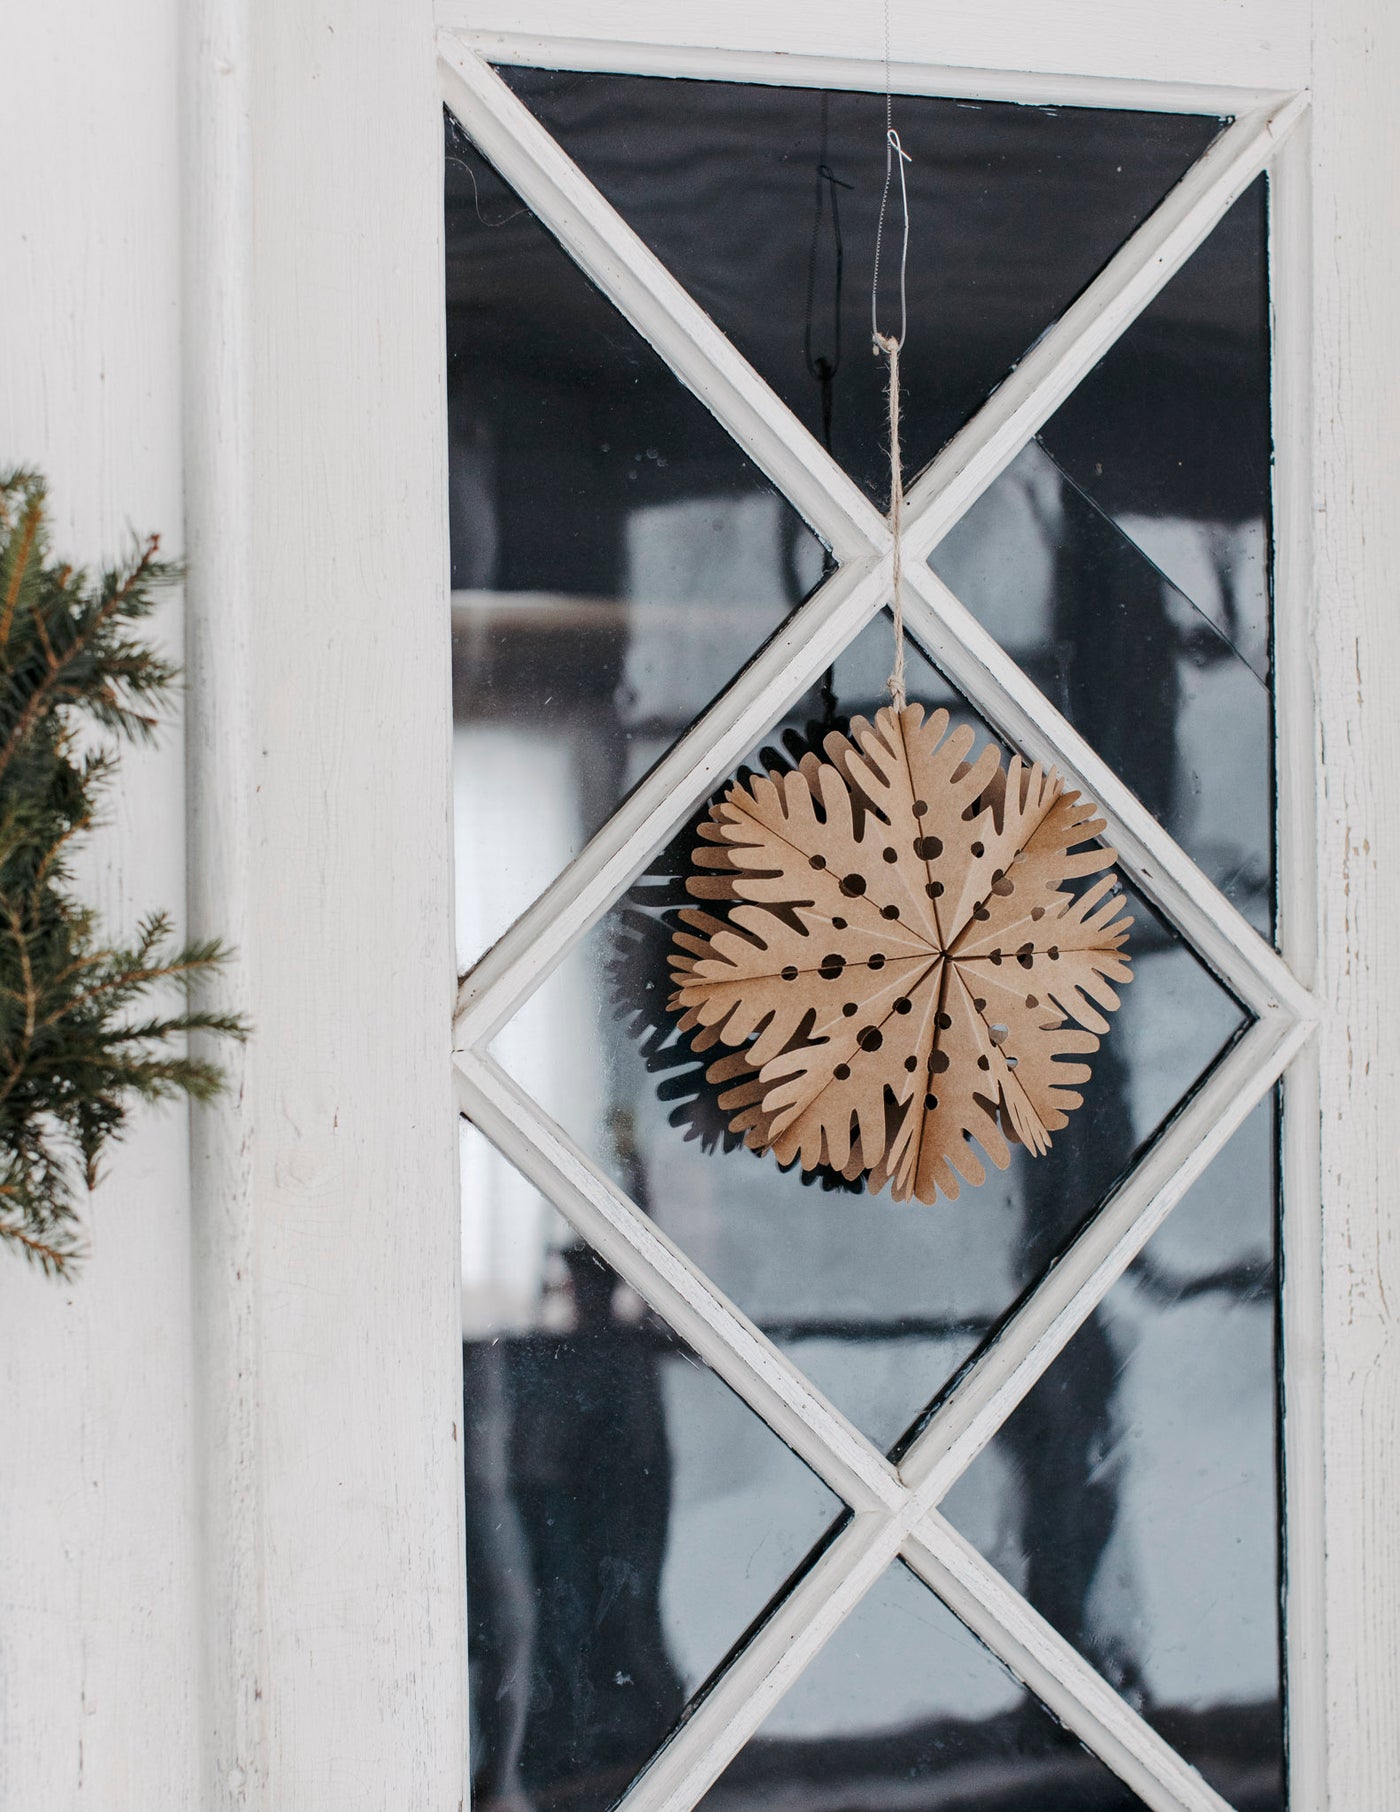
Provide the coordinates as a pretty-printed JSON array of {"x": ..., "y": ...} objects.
[
  {"x": 1356, "y": 384},
  {"x": 97, "y": 1560},
  {"x": 1231, "y": 43}
]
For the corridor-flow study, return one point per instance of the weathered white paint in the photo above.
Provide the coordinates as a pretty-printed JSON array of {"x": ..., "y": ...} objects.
[
  {"x": 1233, "y": 43},
  {"x": 217, "y": 78},
  {"x": 97, "y": 1563},
  {"x": 356, "y": 1591},
  {"x": 1296, "y": 626},
  {"x": 1356, "y": 235},
  {"x": 790, "y": 68},
  {"x": 897, "y": 1510}
]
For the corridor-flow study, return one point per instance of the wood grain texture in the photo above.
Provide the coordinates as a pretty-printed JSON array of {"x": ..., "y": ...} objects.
[
  {"x": 352, "y": 1114},
  {"x": 221, "y": 739},
  {"x": 1296, "y": 707},
  {"x": 97, "y": 1564},
  {"x": 1356, "y": 231}
]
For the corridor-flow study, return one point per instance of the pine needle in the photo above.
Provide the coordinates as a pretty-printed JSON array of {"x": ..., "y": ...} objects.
[{"x": 80, "y": 1042}]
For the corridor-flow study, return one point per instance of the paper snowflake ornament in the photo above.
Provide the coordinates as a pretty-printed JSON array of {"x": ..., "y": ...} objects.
[{"x": 904, "y": 970}]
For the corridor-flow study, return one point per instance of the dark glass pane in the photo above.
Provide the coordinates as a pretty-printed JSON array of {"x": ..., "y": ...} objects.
[
  {"x": 1133, "y": 1497},
  {"x": 615, "y": 558},
  {"x": 1147, "y": 677},
  {"x": 1170, "y": 434},
  {"x": 904, "y": 1707},
  {"x": 879, "y": 1303},
  {"x": 628, "y": 1517},
  {"x": 763, "y": 202}
]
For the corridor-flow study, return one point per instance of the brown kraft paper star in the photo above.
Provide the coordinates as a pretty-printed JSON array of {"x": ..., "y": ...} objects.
[{"x": 902, "y": 973}]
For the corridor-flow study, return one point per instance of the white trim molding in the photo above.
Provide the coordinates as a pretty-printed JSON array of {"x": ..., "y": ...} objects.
[
  {"x": 1355, "y": 382},
  {"x": 327, "y": 1279},
  {"x": 1093, "y": 53}
]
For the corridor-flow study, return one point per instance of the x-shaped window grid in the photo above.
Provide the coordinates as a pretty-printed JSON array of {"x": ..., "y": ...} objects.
[{"x": 895, "y": 1506}]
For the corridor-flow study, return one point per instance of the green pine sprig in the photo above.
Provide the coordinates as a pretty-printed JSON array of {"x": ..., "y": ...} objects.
[{"x": 79, "y": 1041}]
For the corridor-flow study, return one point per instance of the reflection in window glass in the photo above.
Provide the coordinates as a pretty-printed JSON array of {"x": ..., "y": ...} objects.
[
  {"x": 1133, "y": 1497},
  {"x": 1122, "y": 560},
  {"x": 905, "y": 1707},
  {"x": 628, "y": 1517},
  {"x": 615, "y": 558},
  {"x": 878, "y": 1303},
  {"x": 763, "y": 201}
]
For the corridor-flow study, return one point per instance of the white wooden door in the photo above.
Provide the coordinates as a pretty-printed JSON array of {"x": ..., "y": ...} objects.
[{"x": 356, "y": 1305}]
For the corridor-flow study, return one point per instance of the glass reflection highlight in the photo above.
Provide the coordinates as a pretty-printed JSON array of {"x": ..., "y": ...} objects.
[
  {"x": 763, "y": 201},
  {"x": 615, "y": 557},
  {"x": 1133, "y": 1497},
  {"x": 1122, "y": 560},
  {"x": 904, "y": 1707},
  {"x": 627, "y": 1516}
]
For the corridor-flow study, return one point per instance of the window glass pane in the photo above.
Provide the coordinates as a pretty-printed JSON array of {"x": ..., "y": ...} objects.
[
  {"x": 879, "y": 1303},
  {"x": 1133, "y": 1497},
  {"x": 904, "y": 1707},
  {"x": 1170, "y": 433},
  {"x": 615, "y": 558},
  {"x": 615, "y": 562},
  {"x": 1122, "y": 559},
  {"x": 763, "y": 201},
  {"x": 628, "y": 1517}
]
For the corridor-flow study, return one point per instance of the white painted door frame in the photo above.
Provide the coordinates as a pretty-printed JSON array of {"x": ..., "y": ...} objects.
[{"x": 321, "y": 723}]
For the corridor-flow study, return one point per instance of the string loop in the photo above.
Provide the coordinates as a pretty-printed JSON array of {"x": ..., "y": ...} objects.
[
  {"x": 892, "y": 345},
  {"x": 895, "y": 156}
]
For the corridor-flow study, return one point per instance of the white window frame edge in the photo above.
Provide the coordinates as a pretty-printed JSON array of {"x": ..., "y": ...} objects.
[{"x": 637, "y": 283}]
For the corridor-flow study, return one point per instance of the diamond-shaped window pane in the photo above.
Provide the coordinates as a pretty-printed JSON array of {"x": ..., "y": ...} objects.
[
  {"x": 1134, "y": 1496},
  {"x": 628, "y": 1517},
  {"x": 763, "y": 202},
  {"x": 878, "y": 1303},
  {"x": 904, "y": 1707},
  {"x": 615, "y": 557},
  {"x": 1122, "y": 559},
  {"x": 1170, "y": 433}
]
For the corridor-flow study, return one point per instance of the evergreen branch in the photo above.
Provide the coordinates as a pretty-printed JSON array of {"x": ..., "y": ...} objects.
[
  {"x": 28, "y": 535},
  {"x": 53, "y": 1253},
  {"x": 75, "y": 1056},
  {"x": 134, "y": 976}
]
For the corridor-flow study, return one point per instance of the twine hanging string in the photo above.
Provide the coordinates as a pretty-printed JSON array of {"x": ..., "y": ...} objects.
[{"x": 891, "y": 345}]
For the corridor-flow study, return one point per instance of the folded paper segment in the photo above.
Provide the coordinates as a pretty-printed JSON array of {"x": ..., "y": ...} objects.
[{"x": 902, "y": 972}]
